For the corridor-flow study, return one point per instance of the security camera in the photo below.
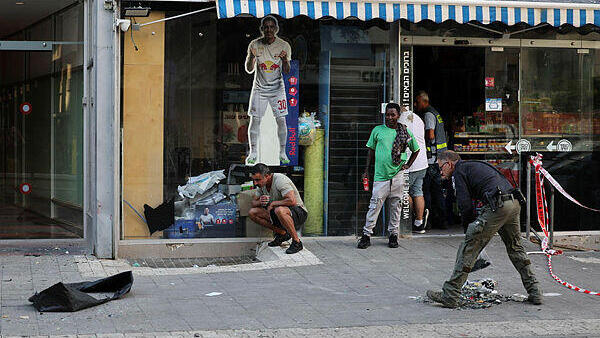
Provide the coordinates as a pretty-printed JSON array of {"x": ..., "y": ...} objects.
[{"x": 123, "y": 24}]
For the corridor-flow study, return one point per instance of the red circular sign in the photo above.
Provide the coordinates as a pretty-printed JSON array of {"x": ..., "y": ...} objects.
[
  {"x": 25, "y": 108},
  {"x": 25, "y": 188}
]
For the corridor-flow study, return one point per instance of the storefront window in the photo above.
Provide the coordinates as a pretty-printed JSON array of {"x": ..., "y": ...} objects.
[
  {"x": 41, "y": 127},
  {"x": 186, "y": 94},
  {"x": 542, "y": 99}
]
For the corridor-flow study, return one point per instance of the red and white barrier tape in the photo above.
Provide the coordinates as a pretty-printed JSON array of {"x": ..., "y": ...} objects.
[{"x": 544, "y": 219}]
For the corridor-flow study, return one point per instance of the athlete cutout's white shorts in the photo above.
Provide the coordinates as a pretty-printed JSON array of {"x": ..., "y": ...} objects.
[{"x": 260, "y": 99}]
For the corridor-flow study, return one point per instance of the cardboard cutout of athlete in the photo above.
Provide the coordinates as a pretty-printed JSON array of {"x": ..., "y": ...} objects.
[{"x": 268, "y": 56}]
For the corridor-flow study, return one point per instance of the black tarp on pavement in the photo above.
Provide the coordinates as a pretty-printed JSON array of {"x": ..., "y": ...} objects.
[{"x": 71, "y": 297}]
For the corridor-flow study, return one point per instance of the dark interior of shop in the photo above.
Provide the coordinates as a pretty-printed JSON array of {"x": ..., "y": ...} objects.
[
  {"x": 28, "y": 208},
  {"x": 453, "y": 78}
]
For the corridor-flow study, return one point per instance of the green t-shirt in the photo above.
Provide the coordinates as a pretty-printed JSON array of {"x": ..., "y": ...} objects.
[{"x": 382, "y": 140}]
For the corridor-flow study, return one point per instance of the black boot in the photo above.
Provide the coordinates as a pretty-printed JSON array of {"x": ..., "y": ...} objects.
[{"x": 365, "y": 242}]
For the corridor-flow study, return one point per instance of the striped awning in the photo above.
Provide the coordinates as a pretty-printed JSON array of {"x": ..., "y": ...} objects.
[{"x": 508, "y": 12}]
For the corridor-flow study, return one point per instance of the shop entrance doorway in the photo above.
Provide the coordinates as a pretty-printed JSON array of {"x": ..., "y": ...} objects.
[
  {"x": 475, "y": 89},
  {"x": 41, "y": 122}
]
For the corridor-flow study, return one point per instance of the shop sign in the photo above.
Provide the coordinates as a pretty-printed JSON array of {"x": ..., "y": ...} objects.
[
  {"x": 493, "y": 104},
  {"x": 562, "y": 145},
  {"x": 406, "y": 76},
  {"x": 212, "y": 221},
  {"x": 292, "y": 86},
  {"x": 489, "y": 82},
  {"x": 521, "y": 146}
]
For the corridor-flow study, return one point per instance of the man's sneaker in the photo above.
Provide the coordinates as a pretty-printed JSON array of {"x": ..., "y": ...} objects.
[
  {"x": 364, "y": 242},
  {"x": 393, "y": 243},
  {"x": 438, "y": 297},
  {"x": 419, "y": 229},
  {"x": 480, "y": 263},
  {"x": 279, "y": 239},
  {"x": 294, "y": 247},
  {"x": 535, "y": 299}
]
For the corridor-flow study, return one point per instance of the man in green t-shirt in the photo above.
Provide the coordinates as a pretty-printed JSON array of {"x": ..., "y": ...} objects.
[{"x": 389, "y": 179}]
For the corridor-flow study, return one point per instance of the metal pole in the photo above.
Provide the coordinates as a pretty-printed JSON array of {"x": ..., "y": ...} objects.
[
  {"x": 528, "y": 210},
  {"x": 551, "y": 216}
]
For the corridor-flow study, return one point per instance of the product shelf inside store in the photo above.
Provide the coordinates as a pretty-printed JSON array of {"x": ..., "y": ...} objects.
[
  {"x": 463, "y": 135},
  {"x": 556, "y": 135},
  {"x": 483, "y": 152}
]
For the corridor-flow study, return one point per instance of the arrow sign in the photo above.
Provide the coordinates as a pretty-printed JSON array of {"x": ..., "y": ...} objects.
[
  {"x": 510, "y": 147},
  {"x": 551, "y": 146}
]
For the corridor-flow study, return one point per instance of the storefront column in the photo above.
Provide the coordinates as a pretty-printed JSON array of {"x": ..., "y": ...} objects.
[{"x": 104, "y": 165}]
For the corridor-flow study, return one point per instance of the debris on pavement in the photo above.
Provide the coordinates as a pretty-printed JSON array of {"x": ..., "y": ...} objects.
[
  {"x": 72, "y": 297},
  {"x": 552, "y": 294},
  {"x": 478, "y": 294},
  {"x": 212, "y": 294}
]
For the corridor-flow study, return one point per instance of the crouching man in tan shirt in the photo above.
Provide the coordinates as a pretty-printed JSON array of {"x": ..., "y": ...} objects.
[{"x": 277, "y": 206}]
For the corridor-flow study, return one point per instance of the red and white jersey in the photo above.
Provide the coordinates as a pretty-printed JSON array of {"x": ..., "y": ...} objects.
[{"x": 268, "y": 70}]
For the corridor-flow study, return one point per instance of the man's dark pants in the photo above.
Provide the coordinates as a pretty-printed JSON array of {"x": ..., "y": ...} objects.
[{"x": 434, "y": 198}]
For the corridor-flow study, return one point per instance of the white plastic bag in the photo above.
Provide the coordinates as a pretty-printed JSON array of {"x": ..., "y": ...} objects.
[{"x": 200, "y": 184}]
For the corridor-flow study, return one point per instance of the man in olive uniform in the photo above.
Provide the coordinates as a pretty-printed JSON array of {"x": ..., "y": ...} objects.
[{"x": 479, "y": 180}]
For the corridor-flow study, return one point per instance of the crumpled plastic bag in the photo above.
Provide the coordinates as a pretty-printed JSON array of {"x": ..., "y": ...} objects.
[
  {"x": 212, "y": 199},
  {"x": 72, "y": 297},
  {"x": 200, "y": 184}
]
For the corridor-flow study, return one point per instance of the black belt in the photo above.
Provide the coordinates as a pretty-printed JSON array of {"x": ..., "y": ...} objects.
[{"x": 507, "y": 197}]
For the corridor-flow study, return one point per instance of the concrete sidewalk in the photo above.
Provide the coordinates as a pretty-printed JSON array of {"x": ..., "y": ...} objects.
[{"x": 342, "y": 292}]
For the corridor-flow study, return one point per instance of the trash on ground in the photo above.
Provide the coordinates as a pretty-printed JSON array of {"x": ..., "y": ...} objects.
[
  {"x": 552, "y": 294},
  {"x": 212, "y": 294},
  {"x": 478, "y": 294},
  {"x": 72, "y": 297},
  {"x": 136, "y": 265},
  {"x": 517, "y": 297},
  {"x": 24, "y": 317}
]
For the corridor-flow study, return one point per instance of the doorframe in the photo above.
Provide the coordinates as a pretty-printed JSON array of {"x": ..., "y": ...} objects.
[
  {"x": 416, "y": 40},
  {"x": 86, "y": 242}
]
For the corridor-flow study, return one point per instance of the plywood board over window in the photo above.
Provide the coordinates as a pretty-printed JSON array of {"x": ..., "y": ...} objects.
[{"x": 143, "y": 122}]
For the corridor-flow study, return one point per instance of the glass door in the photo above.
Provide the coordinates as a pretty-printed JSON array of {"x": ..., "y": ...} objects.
[
  {"x": 557, "y": 116},
  {"x": 41, "y": 125},
  {"x": 501, "y": 111}
]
